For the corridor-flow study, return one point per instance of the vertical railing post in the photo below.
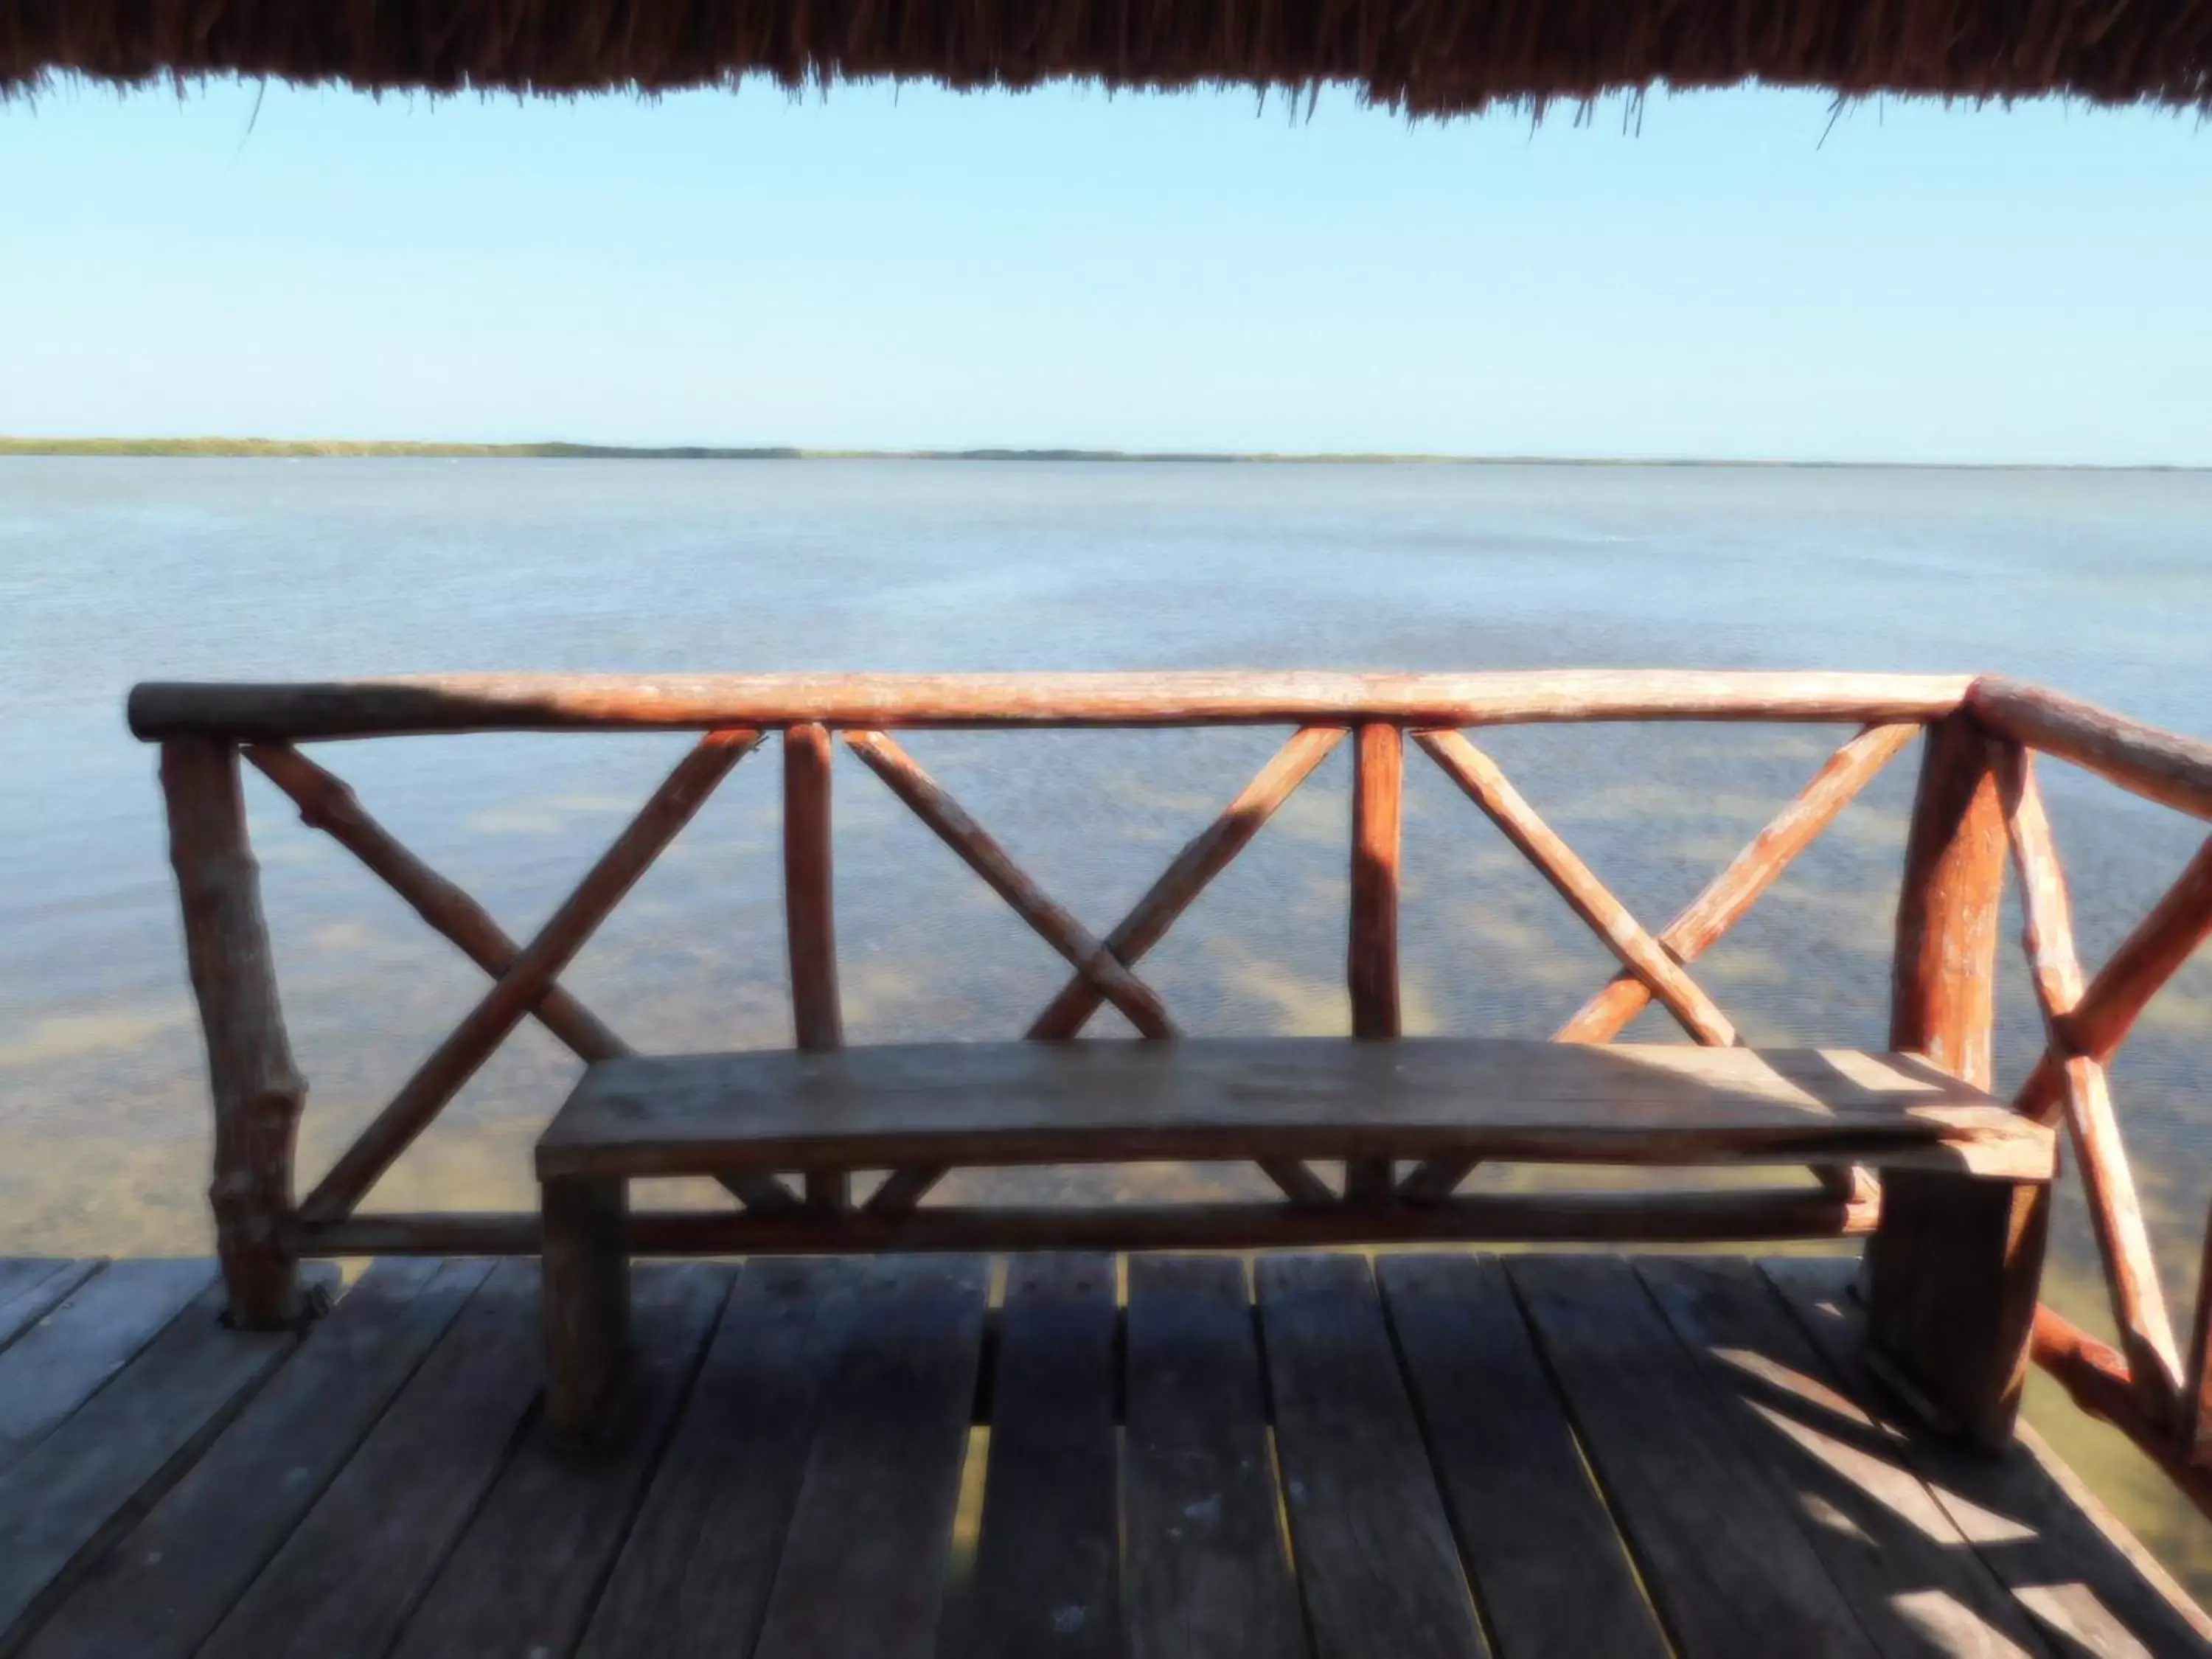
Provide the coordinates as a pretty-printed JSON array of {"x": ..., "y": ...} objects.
[
  {"x": 1953, "y": 1270},
  {"x": 810, "y": 918},
  {"x": 1372, "y": 958},
  {"x": 258, "y": 1091}
]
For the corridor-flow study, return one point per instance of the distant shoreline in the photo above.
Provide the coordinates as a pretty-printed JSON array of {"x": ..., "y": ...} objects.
[{"x": 338, "y": 449}]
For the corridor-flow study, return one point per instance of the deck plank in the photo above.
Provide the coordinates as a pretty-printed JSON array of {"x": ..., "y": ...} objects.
[
  {"x": 1376, "y": 1558},
  {"x": 96, "y": 1330},
  {"x": 63, "y": 1500},
  {"x": 1548, "y": 1565},
  {"x": 1916, "y": 1584},
  {"x": 694, "y": 1575},
  {"x": 864, "y": 1564},
  {"x": 1208, "y": 1574},
  {"x": 168, "y": 1583},
  {"x": 896, "y": 1105},
  {"x": 1045, "y": 1563},
  {"x": 523, "y": 1578},
  {"x": 31, "y": 1286},
  {"x": 1726, "y": 1561},
  {"x": 345, "y": 1580},
  {"x": 2089, "y": 1586},
  {"x": 380, "y": 1489}
]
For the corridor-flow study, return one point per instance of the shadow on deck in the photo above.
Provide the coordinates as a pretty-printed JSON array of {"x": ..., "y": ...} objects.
[{"x": 1554, "y": 1455}]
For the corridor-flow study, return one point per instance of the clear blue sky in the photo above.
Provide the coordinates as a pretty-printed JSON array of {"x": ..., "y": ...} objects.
[{"x": 1060, "y": 268}]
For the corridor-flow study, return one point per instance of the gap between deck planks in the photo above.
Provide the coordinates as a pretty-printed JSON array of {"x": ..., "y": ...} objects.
[{"x": 1448, "y": 1455}]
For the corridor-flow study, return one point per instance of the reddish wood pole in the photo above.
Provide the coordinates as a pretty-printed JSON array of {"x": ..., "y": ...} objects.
[
  {"x": 258, "y": 1091},
  {"x": 810, "y": 919},
  {"x": 1371, "y": 959},
  {"x": 1953, "y": 1270}
]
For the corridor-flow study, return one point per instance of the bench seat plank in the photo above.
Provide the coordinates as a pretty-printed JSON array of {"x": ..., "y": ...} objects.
[{"x": 1106, "y": 1101}]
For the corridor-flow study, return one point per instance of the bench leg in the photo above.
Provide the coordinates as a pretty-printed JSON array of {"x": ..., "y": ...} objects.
[
  {"x": 1953, "y": 1269},
  {"x": 587, "y": 1264},
  {"x": 1950, "y": 1280}
]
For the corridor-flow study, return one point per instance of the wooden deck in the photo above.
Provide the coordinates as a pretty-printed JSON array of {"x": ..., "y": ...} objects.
[{"x": 1442, "y": 1456}]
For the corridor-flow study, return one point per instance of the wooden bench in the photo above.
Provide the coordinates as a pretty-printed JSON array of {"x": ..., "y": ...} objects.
[
  {"x": 917, "y": 1111},
  {"x": 1953, "y": 1259}
]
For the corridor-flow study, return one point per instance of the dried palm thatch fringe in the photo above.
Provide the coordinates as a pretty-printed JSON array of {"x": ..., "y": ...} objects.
[{"x": 1428, "y": 57}]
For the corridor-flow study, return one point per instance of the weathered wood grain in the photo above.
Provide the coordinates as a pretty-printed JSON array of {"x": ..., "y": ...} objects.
[
  {"x": 1603, "y": 1217},
  {"x": 695, "y": 1569},
  {"x": 1726, "y": 1561},
  {"x": 523, "y": 1578},
  {"x": 1208, "y": 1576},
  {"x": 1890, "y": 1547},
  {"x": 2160, "y": 766},
  {"x": 1053, "y": 924},
  {"x": 168, "y": 1582},
  {"x": 694, "y": 1575},
  {"x": 810, "y": 909},
  {"x": 2095, "y": 1376},
  {"x": 1376, "y": 1558},
  {"x": 2087, "y": 1586},
  {"x": 1377, "y": 817},
  {"x": 1378, "y": 767},
  {"x": 1549, "y": 1569},
  {"x": 1027, "y": 1102},
  {"x": 1047, "y": 1579},
  {"x": 257, "y": 1090},
  {"x": 91, "y": 1334},
  {"x": 345, "y": 1582},
  {"x": 863, "y": 1567},
  {"x": 1953, "y": 1270},
  {"x": 586, "y": 1292},
  {"x": 1743, "y": 1213},
  {"x": 810, "y": 914},
  {"x": 1205, "y": 857},
  {"x": 65, "y": 1499},
  {"x": 2107, "y": 1184},
  {"x": 31, "y": 1287},
  {"x": 440, "y": 1077},
  {"x": 511, "y": 703}
]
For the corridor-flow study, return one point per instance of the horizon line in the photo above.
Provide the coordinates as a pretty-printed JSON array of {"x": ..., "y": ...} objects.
[{"x": 348, "y": 449}]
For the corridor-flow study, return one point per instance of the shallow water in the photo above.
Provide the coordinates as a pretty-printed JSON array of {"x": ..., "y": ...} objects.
[{"x": 114, "y": 571}]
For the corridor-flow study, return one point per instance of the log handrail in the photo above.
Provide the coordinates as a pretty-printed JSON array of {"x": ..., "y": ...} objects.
[
  {"x": 2156, "y": 1386},
  {"x": 2160, "y": 766},
  {"x": 552, "y": 703}
]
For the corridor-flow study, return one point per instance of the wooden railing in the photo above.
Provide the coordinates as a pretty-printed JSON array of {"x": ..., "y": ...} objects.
[{"x": 1977, "y": 795}]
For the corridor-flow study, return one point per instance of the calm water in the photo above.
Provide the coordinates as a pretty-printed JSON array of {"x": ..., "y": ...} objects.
[{"x": 114, "y": 571}]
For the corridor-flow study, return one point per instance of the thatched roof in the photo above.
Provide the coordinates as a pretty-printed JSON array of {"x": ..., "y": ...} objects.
[{"x": 1427, "y": 56}]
